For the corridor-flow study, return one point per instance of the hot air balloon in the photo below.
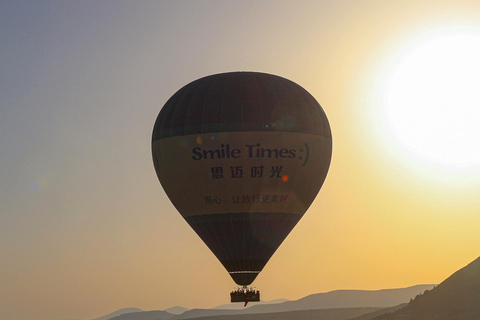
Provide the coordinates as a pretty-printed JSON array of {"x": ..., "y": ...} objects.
[{"x": 242, "y": 155}]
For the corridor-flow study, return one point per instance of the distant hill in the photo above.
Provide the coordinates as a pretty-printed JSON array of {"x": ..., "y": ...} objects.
[
  {"x": 458, "y": 297},
  {"x": 338, "y": 299},
  {"x": 321, "y": 314},
  {"x": 176, "y": 310},
  {"x": 118, "y": 312},
  {"x": 358, "y": 298},
  {"x": 334, "y": 305},
  {"x": 145, "y": 315}
]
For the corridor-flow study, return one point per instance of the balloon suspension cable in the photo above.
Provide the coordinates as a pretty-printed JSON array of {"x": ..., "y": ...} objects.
[{"x": 245, "y": 294}]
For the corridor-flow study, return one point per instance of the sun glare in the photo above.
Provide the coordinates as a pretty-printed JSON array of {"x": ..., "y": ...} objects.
[{"x": 431, "y": 98}]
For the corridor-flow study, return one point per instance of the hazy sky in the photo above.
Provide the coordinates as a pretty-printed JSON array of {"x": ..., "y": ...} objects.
[{"x": 85, "y": 227}]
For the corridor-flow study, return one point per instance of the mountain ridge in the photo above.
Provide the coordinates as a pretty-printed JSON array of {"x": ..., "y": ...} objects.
[
  {"x": 318, "y": 314},
  {"x": 457, "y": 297},
  {"x": 118, "y": 313},
  {"x": 145, "y": 315},
  {"x": 337, "y": 299}
]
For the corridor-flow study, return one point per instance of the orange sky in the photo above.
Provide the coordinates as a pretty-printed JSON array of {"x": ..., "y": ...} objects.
[{"x": 85, "y": 227}]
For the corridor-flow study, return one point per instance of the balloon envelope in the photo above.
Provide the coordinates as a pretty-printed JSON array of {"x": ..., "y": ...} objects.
[{"x": 242, "y": 156}]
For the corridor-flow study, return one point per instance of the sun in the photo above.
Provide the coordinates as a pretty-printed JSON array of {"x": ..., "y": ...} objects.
[{"x": 431, "y": 98}]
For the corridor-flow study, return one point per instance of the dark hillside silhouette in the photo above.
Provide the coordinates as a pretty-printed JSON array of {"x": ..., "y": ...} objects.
[{"x": 458, "y": 297}]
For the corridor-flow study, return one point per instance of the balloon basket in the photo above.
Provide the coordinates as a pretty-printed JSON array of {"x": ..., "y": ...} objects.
[{"x": 245, "y": 295}]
